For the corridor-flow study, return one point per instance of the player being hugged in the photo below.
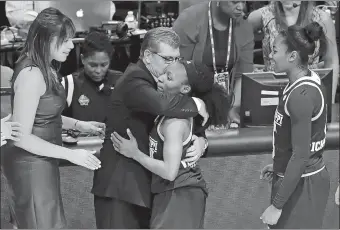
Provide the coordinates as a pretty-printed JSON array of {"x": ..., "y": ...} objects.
[
  {"x": 179, "y": 188},
  {"x": 300, "y": 180}
]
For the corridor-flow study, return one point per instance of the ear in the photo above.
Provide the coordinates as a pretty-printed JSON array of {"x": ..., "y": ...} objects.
[
  {"x": 185, "y": 89},
  {"x": 146, "y": 55},
  {"x": 293, "y": 56}
]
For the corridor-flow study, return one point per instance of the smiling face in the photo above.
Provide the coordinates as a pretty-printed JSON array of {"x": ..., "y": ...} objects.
[
  {"x": 282, "y": 58},
  {"x": 174, "y": 80},
  {"x": 60, "y": 52}
]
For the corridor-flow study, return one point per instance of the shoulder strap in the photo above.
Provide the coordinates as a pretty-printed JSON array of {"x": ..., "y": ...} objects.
[{"x": 68, "y": 85}]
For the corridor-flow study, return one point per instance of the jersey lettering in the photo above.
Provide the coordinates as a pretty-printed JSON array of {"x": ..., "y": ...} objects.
[
  {"x": 318, "y": 145},
  {"x": 278, "y": 118},
  {"x": 152, "y": 146},
  {"x": 277, "y": 121}
]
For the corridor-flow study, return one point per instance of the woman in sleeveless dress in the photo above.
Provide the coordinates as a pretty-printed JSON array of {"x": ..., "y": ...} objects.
[
  {"x": 279, "y": 15},
  {"x": 299, "y": 177},
  {"x": 179, "y": 189},
  {"x": 38, "y": 98}
]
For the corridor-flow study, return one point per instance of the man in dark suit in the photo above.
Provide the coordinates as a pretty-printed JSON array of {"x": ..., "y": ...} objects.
[{"x": 121, "y": 187}]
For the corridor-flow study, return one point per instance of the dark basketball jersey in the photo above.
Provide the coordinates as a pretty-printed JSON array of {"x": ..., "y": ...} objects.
[
  {"x": 188, "y": 175},
  {"x": 282, "y": 145}
]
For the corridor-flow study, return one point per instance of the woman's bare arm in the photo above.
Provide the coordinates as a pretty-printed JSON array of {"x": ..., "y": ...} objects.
[
  {"x": 29, "y": 87},
  {"x": 175, "y": 131}
]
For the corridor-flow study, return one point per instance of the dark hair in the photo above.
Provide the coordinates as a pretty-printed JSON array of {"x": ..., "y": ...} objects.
[
  {"x": 304, "y": 18},
  {"x": 49, "y": 23},
  {"x": 97, "y": 42},
  {"x": 217, "y": 101},
  {"x": 218, "y": 104},
  {"x": 304, "y": 39},
  {"x": 158, "y": 35}
]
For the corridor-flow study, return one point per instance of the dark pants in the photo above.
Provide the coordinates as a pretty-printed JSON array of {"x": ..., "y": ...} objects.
[
  {"x": 306, "y": 206},
  {"x": 112, "y": 213},
  {"x": 181, "y": 208}
]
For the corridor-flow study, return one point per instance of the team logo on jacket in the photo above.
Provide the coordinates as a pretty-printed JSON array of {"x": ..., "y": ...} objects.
[
  {"x": 152, "y": 146},
  {"x": 83, "y": 100}
]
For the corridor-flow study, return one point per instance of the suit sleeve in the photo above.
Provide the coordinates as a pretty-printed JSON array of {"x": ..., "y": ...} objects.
[
  {"x": 300, "y": 108},
  {"x": 140, "y": 95},
  {"x": 115, "y": 76}
]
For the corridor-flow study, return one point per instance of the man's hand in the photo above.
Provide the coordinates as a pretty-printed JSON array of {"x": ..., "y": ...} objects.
[
  {"x": 271, "y": 216},
  {"x": 128, "y": 148},
  {"x": 203, "y": 111},
  {"x": 195, "y": 152}
]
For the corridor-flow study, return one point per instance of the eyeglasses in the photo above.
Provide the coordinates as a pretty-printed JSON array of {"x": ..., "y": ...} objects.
[{"x": 168, "y": 60}]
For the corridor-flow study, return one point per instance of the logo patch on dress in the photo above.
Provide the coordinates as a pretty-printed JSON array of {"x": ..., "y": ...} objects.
[{"x": 83, "y": 100}]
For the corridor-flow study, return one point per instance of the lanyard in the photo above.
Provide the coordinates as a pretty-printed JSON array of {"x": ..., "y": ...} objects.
[{"x": 212, "y": 40}]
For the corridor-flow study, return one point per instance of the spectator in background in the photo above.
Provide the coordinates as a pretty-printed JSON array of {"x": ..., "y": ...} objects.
[
  {"x": 89, "y": 89},
  {"x": 226, "y": 46},
  {"x": 279, "y": 15}
]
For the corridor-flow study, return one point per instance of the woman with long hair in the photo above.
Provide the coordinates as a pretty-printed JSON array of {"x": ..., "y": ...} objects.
[
  {"x": 179, "y": 190},
  {"x": 31, "y": 164},
  {"x": 300, "y": 180},
  {"x": 279, "y": 15}
]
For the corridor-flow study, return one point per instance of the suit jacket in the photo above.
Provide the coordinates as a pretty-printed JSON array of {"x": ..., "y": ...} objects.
[
  {"x": 192, "y": 26},
  {"x": 135, "y": 103}
]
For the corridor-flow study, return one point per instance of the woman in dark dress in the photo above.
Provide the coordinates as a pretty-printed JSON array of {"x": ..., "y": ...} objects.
[{"x": 38, "y": 98}]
